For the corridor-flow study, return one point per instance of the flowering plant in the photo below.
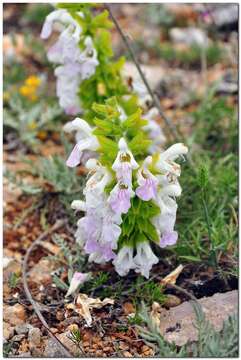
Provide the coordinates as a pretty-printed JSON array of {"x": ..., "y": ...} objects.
[{"x": 130, "y": 193}]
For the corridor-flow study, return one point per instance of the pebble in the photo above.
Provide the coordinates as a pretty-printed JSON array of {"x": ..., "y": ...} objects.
[
  {"x": 127, "y": 354},
  {"x": 8, "y": 330},
  {"x": 18, "y": 338},
  {"x": 23, "y": 328},
  {"x": 34, "y": 337},
  {"x": 68, "y": 343},
  {"x": 128, "y": 308},
  {"x": 172, "y": 300},
  {"x": 15, "y": 315},
  {"x": 52, "y": 350}
]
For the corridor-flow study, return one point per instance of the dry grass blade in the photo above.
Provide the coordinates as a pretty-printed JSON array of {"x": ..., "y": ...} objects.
[
  {"x": 171, "y": 127},
  {"x": 56, "y": 226}
]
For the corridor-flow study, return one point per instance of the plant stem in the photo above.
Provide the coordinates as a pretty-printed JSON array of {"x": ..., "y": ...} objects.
[{"x": 171, "y": 127}]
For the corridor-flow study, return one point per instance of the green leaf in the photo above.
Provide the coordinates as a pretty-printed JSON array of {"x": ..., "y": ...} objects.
[{"x": 101, "y": 21}]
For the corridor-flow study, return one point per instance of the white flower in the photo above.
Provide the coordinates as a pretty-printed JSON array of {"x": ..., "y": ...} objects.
[
  {"x": 80, "y": 234},
  {"x": 81, "y": 127},
  {"x": 77, "y": 280},
  {"x": 124, "y": 163},
  {"x": 61, "y": 16},
  {"x": 88, "y": 59},
  {"x": 65, "y": 50},
  {"x": 95, "y": 186},
  {"x": 144, "y": 259},
  {"x": 85, "y": 140},
  {"x": 154, "y": 130},
  {"x": 67, "y": 87},
  {"x": 78, "y": 205},
  {"x": 166, "y": 220},
  {"x": 124, "y": 261},
  {"x": 147, "y": 182},
  {"x": 120, "y": 198},
  {"x": 166, "y": 159}
]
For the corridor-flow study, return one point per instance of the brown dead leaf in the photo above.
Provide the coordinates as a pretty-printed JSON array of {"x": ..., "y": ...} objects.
[
  {"x": 172, "y": 277},
  {"x": 84, "y": 304}
]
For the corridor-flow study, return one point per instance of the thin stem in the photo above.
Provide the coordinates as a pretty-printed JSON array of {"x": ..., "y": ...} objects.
[
  {"x": 170, "y": 125},
  {"x": 35, "y": 305}
]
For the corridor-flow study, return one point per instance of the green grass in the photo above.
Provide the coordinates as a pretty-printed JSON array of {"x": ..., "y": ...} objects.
[{"x": 207, "y": 215}]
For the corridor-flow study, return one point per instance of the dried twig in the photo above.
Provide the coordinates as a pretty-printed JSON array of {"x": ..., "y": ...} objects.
[
  {"x": 184, "y": 291},
  {"x": 35, "y": 305},
  {"x": 171, "y": 127}
]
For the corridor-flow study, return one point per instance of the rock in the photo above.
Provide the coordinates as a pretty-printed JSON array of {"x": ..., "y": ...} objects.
[
  {"x": 34, "y": 337},
  {"x": 18, "y": 338},
  {"x": 41, "y": 272},
  {"x": 128, "y": 308},
  {"x": 8, "y": 330},
  {"x": 52, "y": 350},
  {"x": 189, "y": 36},
  {"x": 14, "y": 315},
  {"x": 176, "y": 324},
  {"x": 171, "y": 301},
  {"x": 24, "y": 355},
  {"x": 23, "y": 328},
  {"x": 68, "y": 343}
]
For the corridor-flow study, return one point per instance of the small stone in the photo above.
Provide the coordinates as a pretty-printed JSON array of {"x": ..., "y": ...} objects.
[
  {"x": 60, "y": 315},
  {"x": 177, "y": 324},
  {"x": 34, "y": 337},
  {"x": 128, "y": 308},
  {"x": 52, "y": 350},
  {"x": 23, "y": 328},
  {"x": 123, "y": 346},
  {"x": 171, "y": 301},
  {"x": 127, "y": 354},
  {"x": 24, "y": 355},
  {"x": 145, "y": 348},
  {"x": 8, "y": 330},
  {"x": 18, "y": 338},
  {"x": 68, "y": 343},
  {"x": 54, "y": 330},
  {"x": 15, "y": 314},
  {"x": 41, "y": 272}
]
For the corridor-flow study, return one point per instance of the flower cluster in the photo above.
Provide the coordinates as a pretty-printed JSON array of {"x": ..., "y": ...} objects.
[
  {"x": 75, "y": 63},
  {"x": 83, "y": 47},
  {"x": 30, "y": 87},
  {"x": 129, "y": 199},
  {"x": 116, "y": 226}
]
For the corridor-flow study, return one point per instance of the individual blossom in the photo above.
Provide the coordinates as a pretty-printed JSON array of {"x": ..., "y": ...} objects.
[
  {"x": 102, "y": 255},
  {"x": 166, "y": 162},
  {"x": 144, "y": 259},
  {"x": 147, "y": 182},
  {"x": 120, "y": 198},
  {"x": 168, "y": 239},
  {"x": 94, "y": 189},
  {"x": 62, "y": 17},
  {"x": 86, "y": 141},
  {"x": 67, "y": 87},
  {"x": 124, "y": 261},
  {"x": 124, "y": 163},
  {"x": 154, "y": 130},
  {"x": 78, "y": 279},
  {"x": 65, "y": 50},
  {"x": 88, "y": 59}
]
